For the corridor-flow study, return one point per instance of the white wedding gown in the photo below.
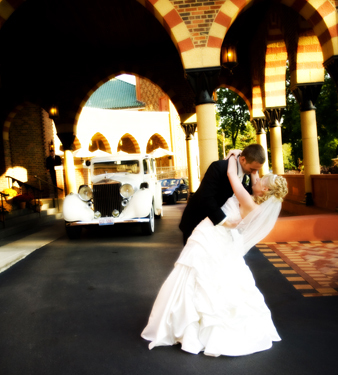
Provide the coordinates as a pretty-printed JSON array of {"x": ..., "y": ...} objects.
[{"x": 210, "y": 302}]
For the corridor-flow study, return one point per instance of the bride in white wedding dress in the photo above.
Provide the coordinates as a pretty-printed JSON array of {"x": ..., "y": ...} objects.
[{"x": 210, "y": 301}]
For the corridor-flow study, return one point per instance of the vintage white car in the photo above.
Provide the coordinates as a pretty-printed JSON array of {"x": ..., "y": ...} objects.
[{"x": 124, "y": 189}]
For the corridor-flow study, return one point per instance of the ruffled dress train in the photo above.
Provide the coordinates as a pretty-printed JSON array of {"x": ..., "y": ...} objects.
[{"x": 210, "y": 302}]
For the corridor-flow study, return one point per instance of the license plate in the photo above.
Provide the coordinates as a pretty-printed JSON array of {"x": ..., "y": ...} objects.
[{"x": 106, "y": 221}]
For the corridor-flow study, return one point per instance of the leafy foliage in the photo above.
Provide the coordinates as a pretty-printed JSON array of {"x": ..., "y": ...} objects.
[
  {"x": 291, "y": 128},
  {"x": 233, "y": 114},
  {"x": 234, "y": 127},
  {"x": 327, "y": 122}
]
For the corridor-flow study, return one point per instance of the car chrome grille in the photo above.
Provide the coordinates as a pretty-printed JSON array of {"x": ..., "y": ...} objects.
[{"x": 107, "y": 198}]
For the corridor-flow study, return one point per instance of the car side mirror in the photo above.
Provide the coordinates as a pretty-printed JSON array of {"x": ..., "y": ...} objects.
[{"x": 88, "y": 163}]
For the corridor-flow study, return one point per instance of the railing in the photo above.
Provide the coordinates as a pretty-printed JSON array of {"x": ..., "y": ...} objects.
[
  {"x": 27, "y": 187},
  {"x": 2, "y": 212},
  {"x": 36, "y": 191},
  {"x": 171, "y": 172},
  {"x": 54, "y": 187}
]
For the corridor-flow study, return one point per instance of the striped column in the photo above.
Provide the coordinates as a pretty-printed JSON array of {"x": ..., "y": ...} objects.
[
  {"x": 203, "y": 83},
  {"x": 189, "y": 126},
  {"x": 307, "y": 95},
  {"x": 273, "y": 116},
  {"x": 259, "y": 124}
]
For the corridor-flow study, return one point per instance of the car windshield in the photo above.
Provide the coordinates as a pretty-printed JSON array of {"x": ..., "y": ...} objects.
[
  {"x": 169, "y": 182},
  {"x": 117, "y": 166}
]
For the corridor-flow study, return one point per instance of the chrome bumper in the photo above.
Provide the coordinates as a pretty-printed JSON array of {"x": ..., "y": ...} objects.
[{"x": 106, "y": 221}]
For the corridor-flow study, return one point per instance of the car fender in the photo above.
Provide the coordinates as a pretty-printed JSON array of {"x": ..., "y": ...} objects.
[
  {"x": 75, "y": 209},
  {"x": 158, "y": 199},
  {"x": 139, "y": 205}
]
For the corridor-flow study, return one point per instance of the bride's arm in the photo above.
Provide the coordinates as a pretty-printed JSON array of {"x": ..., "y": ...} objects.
[{"x": 242, "y": 195}]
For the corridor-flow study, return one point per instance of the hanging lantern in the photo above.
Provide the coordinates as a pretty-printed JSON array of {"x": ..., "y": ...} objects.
[
  {"x": 229, "y": 57},
  {"x": 53, "y": 112}
]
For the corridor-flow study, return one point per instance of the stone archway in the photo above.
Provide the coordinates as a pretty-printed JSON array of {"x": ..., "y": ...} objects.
[
  {"x": 156, "y": 141},
  {"x": 99, "y": 142},
  {"x": 128, "y": 143}
]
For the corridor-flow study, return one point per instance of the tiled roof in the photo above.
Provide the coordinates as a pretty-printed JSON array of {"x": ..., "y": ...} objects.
[{"x": 115, "y": 94}]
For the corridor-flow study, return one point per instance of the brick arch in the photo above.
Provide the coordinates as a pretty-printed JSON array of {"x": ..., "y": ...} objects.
[
  {"x": 172, "y": 22},
  {"x": 157, "y": 141},
  {"x": 129, "y": 138},
  {"x": 103, "y": 139},
  {"x": 225, "y": 17},
  {"x": 321, "y": 16}
]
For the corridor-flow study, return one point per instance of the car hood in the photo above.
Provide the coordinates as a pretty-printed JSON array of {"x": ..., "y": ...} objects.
[
  {"x": 164, "y": 188},
  {"x": 124, "y": 178}
]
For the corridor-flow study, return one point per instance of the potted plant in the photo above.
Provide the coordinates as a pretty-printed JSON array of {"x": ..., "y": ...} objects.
[
  {"x": 11, "y": 193},
  {"x": 22, "y": 200}
]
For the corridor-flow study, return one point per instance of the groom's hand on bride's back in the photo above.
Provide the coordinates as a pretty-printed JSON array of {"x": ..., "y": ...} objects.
[{"x": 233, "y": 152}]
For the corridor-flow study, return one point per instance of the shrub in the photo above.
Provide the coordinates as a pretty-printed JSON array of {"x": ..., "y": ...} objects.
[{"x": 11, "y": 193}]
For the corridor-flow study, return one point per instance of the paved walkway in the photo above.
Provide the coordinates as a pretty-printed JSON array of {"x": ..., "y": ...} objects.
[
  {"x": 310, "y": 266},
  {"x": 13, "y": 250},
  {"x": 78, "y": 307}
]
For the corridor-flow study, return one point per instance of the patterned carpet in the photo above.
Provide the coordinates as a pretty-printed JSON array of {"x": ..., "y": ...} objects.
[{"x": 311, "y": 266}]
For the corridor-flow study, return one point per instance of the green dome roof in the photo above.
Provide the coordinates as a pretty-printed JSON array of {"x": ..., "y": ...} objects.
[{"x": 115, "y": 94}]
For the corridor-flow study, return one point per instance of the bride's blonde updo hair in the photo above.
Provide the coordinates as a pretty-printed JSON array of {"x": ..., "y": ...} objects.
[{"x": 277, "y": 186}]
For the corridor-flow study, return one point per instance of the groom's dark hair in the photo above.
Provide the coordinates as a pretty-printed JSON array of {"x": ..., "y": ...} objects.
[{"x": 254, "y": 152}]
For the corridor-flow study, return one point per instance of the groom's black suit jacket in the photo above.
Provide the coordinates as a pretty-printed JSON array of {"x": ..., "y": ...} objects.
[{"x": 212, "y": 193}]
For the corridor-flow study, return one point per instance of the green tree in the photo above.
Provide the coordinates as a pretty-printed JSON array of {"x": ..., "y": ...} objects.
[
  {"x": 233, "y": 114},
  {"x": 287, "y": 157},
  {"x": 291, "y": 129},
  {"x": 327, "y": 122}
]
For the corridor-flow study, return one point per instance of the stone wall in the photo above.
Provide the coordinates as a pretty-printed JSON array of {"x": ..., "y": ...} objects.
[{"x": 26, "y": 140}]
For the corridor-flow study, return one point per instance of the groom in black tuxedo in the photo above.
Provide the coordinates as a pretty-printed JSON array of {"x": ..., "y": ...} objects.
[{"x": 215, "y": 189}]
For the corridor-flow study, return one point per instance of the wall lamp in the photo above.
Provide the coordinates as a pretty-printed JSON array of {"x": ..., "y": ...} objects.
[
  {"x": 229, "y": 57},
  {"x": 53, "y": 112}
]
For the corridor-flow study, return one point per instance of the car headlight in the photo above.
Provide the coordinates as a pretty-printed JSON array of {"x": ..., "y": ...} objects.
[
  {"x": 167, "y": 192},
  {"x": 126, "y": 190},
  {"x": 85, "y": 193}
]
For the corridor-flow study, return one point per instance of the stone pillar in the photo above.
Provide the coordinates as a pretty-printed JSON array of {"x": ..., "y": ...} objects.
[
  {"x": 189, "y": 130},
  {"x": 204, "y": 81},
  {"x": 306, "y": 95},
  {"x": 273, "y": 116},
  {"x": 259, "y": 124},
  {"x": 67, "y": 140}
]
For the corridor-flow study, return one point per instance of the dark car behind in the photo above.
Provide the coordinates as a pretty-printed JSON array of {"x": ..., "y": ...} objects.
[{"x": 174, "y": 189}]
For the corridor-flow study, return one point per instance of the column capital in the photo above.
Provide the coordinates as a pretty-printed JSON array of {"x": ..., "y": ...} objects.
[
  {"x": 273, "y": 116},
  {"x": 189, "y": 130},
  {"x": 306, "y": 95},
  {"x": 203, "y": 81},
  {"x": 67, "y": 140},
  {"x": 259, "y": 123}
]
